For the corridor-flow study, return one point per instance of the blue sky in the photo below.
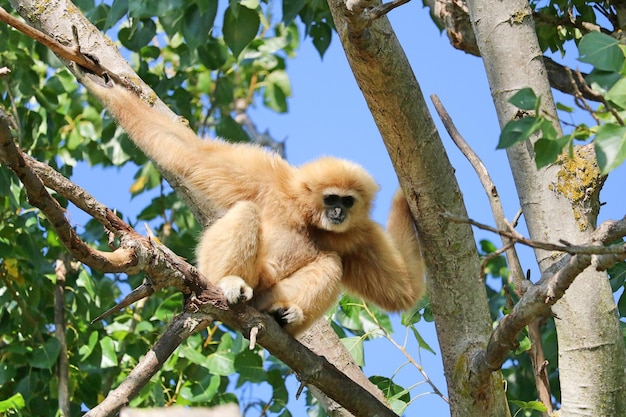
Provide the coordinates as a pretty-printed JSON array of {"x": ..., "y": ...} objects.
[{"x": 328, "y": 116}]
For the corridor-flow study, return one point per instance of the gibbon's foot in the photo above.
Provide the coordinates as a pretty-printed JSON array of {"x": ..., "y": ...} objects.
[
  {"x": 289, "y": 315},
  {"x": 235, "y": 289}
]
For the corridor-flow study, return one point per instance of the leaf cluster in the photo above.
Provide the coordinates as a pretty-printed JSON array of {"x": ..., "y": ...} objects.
[{"x": 607, "y": 79}]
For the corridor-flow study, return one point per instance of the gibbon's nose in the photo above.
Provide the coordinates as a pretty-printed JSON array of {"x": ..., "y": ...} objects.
[{"x": 336, "y": 214}]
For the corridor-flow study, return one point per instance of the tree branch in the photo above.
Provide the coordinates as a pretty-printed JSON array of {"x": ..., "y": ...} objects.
[
  {"x": 119, "y": 260},
  {"x": 490, "y": 189}
]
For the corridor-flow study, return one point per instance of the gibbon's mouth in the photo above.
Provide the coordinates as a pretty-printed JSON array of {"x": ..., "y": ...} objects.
[{"x": 336, "y": 215}]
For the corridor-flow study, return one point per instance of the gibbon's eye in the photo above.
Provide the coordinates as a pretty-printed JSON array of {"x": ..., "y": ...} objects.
[
  {"x": 331, "y": 200},
  {"x": 347, "y": 201}
]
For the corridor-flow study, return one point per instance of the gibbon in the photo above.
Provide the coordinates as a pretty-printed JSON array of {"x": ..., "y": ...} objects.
[{"x": 290, "y": 237}]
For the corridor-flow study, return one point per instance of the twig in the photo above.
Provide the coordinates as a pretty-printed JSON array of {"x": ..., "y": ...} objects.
[
  {"x": 384, "y": 8},
  {"x": 540, "y": 364},
  {"x": 406, "y": 354},
  {"x": 139, "y": 293},
  {"x": 490, "y": 188},
  {"x": 59, "y": 332},
  {"x": 70, "y": 54},
  {"x": 181, "y": 327},
  {"x": 118, "y": 261},
  {"x": 615, "y": 249}
]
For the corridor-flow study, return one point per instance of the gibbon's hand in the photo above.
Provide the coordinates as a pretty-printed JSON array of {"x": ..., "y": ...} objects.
[
  {"x": 287, "y": 315},
  {"x": 235, "y": 289}
]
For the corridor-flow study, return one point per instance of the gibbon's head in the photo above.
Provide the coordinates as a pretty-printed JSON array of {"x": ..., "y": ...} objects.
[{"x": 336, "y": 193}]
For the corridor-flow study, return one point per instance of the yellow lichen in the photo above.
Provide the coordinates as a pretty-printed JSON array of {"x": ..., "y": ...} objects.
[{"x": 579, "y": 180}]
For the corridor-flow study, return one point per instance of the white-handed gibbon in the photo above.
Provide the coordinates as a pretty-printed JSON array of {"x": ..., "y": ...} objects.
[{"x": 290, "y": 237}]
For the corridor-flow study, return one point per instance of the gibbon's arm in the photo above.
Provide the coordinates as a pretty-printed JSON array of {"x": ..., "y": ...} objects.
[
  {"x": 213, "y": 170},
  {"x": 388, "y": 270}
]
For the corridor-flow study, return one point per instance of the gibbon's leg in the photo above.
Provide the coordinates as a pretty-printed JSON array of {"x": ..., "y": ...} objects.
[
  {"x": 300, "y": 299},
  {"x": 227, "y": 253}
]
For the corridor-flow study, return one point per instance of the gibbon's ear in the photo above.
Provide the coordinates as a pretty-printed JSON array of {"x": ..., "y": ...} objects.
[{"x": 377, "y": 272}]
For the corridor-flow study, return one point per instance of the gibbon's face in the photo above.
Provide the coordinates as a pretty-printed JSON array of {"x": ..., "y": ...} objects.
[{"x": 338, "y": 210}]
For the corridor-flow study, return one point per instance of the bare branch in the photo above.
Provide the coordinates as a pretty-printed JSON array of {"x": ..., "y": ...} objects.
[
  {"x": 118, "y": 261},
  {"x": 592, "y": 249},
  {"x": 181, "y": 327},
  {"x": 490, "y": 188},
  {"x": 59, "y": 332}
]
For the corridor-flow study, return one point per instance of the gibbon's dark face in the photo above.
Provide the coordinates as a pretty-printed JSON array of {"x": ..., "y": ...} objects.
[{"x": 336, "y": 211}]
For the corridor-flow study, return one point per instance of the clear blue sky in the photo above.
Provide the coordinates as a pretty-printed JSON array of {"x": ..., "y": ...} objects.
[{"x": 328, "y": 116}]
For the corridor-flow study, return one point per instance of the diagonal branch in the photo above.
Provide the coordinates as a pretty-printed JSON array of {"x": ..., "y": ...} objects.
[{"x": 117, "y": 261}]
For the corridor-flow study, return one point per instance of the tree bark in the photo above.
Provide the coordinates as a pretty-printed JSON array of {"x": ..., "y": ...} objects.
[
  {"x": 457, "y": 296},
  {"x": 559, "y": 202}
]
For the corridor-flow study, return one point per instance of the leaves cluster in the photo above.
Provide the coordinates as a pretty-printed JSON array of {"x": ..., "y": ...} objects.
[{"x": 608, "y": 79}]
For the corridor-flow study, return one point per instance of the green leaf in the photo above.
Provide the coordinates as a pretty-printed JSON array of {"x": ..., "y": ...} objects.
[
  {"x": 610, "y": 146},
  {"x": 15, "y": 402},
  {"x": 321, "y": 33},
  {"x": 530, "y": 405},
  {"x": 139, "y": 35},
  {"x": 291, "y": 8},
  {"x": 45, "y": 356},
  {"x": 86, "y": 350},
  {"x": 421, "y": 342},
  {"x": 277, "y": 89},
  {"x": 390, "y": 389},
  {"x": 547, "y": 150},
  {"x": 241, "y": 26},
  {"x": 197, "y": 24},
  {"x": 602, "y": 51},
  {"x": 118, "y": 9},
  {"x": 249, "y": 366},
  {"x": 228, "y": 128},
  {"x": 617, "y": 93},
  {"x": 517, "y": 131},
  {"x": 525, "y": 99},
  {"x": 354, "y": 345},
  {"x": 212, "y": 53},
  {"x": 109, "y": 356}
]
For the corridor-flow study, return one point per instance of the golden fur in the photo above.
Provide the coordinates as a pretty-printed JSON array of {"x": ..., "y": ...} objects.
[{"x": 290, "y": 237}]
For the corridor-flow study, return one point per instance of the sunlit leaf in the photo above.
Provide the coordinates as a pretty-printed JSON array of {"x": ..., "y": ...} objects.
[
  {"x": 109, "y": 356},
  {"x": 602, "y": 51},
  {"x": 354, "y": 345},
  {"x": 517, "y": 130},
  {"x": 421, "y": 342},
  {"x": 15, "y": 402},
  {"x": 610, "y": 146}
]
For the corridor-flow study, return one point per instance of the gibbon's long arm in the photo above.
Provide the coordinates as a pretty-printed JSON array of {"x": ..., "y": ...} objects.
[
  {"x": 388, "y": 271},
  {"x": 401, "y": 228},
  {"x": 221, "y": 172}
]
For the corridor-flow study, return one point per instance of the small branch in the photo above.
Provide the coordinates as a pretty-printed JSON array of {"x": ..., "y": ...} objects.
[
  {"x": 118, "y": 261},
  {"x": 59, "y": 332},
  {"x": 540, "y": 364},
  {"x": 384, "y": 8},
  {"x": 80, "y": 197},
  {"x": 536, "y": 302},
  {"x": 615, "y": 249},
  {"x": 490, "y": 188},
  {"x": 181, "y": 327},
  {"x": 70, "y": 54},
  {"x": 139, "y": 293}
]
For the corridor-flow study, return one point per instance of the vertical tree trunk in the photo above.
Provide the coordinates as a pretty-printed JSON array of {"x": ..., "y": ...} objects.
[
  {"x": 559, "y": 202},
  {"x": 457, "y": 297}
]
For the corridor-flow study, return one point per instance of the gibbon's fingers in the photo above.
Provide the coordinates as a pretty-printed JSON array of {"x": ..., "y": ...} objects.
[
  {"x": 401, "y": 228},
  {"x": 291, "y": 315},
  {"x": 235, "y": 289}
]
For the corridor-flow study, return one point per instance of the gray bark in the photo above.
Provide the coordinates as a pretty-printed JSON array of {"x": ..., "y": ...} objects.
[{"x": 559, "y": 202}]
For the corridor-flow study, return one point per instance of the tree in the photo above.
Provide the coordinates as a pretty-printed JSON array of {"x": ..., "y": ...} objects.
[{"x": 212, "y": 80}]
